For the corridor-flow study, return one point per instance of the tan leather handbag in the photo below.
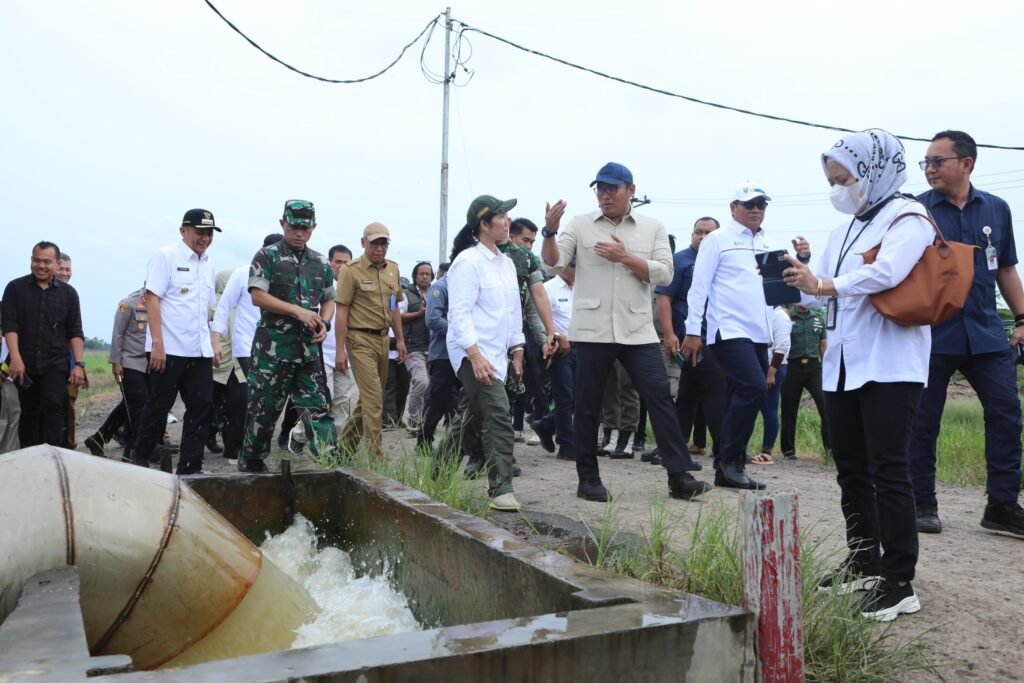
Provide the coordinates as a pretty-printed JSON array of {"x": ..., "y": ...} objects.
[{"x": 936, "y": 288}]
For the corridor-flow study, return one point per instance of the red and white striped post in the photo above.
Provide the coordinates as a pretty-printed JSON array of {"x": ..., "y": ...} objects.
[{"x": 771, "y": 583}]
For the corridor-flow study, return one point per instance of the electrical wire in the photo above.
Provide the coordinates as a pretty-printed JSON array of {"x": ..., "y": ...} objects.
[
  {"x": 466, "y": 27},
  {"x": 323, "y": 79}
]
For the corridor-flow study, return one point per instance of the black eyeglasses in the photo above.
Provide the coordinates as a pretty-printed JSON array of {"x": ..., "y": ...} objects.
[
  {"x": 935, "y": 162},
  {"x": 751, "y": 204},
  {"x": 604, "y": 188}
]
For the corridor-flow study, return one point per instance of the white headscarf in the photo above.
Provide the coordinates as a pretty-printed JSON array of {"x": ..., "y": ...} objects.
[{"x": 875, "y": 158}]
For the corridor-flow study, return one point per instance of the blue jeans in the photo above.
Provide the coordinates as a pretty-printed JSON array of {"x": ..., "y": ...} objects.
[
  {"x": 563, "y": 381},
  {"x": 770, "y": 410}
]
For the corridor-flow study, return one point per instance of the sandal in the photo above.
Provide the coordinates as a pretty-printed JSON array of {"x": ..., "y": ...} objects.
[{"x": 762, "y": 458}]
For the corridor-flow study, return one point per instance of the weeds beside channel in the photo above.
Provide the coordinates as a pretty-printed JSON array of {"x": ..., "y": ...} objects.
[{"x": 839, "y": 645}]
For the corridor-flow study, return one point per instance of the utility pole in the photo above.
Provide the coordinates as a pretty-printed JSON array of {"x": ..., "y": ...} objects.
[{"x": 443, "y": 246}]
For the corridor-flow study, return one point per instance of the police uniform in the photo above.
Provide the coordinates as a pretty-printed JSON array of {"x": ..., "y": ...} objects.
[
  {"x": 371, "y": 293},
  {"x": 182, "y": 280},
  {"x": 285, "y": 361},
  {"x": 804, "y": 373},
  {"x": 128, "y": 349}
]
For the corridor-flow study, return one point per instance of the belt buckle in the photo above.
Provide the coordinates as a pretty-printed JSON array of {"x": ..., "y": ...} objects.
[{"x": 805, "y": 361}]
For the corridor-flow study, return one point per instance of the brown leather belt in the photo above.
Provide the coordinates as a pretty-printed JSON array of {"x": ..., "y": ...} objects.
[{"x": 366, "y": 330}]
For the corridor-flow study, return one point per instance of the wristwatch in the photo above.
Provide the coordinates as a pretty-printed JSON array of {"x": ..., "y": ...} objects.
[
  {"x": 327, "y": 324},
  {"x": 80, "y": 363},
  {"x": 545, "y": 233}
]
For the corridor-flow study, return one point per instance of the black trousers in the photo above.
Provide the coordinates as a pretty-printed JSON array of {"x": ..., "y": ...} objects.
[
  {"x": 234, "y": 412},
  {"x": 647, "y": 372},
  {"x": 193, "y": 378},
  {"x": 396, "y": 391},
  {"x": 136, "y": 390},
  {"x": 801, "y": 376},
  {"x": 702, "y": 390},
  {"x": 44, "y": 409},
  {"x": 870, "y": 437},
  {"x": 442, "y": 397}
]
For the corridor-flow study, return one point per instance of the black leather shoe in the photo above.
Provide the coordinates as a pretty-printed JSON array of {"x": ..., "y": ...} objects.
[
  {"x": 621, "y": 446},
  {"x": 95, "y": 444},
  {"x": 566, "y": 453},
  {"x": 928, "y": 521},
  {"x": 684, "y": 486},
  {"x": 693, "y": 467},
  {"x": 546, "y": 436},
  {"x": 593, "y": 490},
  {"x": 652, "y": 456},
  {"x": 213, "y": 446},
  {"x": 1007, "y": 517},
  {"x": 734, "y": 477},
  {"x": 253, "y": 465}
]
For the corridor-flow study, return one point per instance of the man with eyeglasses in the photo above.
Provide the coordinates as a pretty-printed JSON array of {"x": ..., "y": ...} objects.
[
  {"x": 369, "y": 291},
  {"x": 702, "y": 384},
  {"x": 726, "y": 295},
  {"x": 973, "y": 341},
  {"x": 294, "y": 287},
  {"x": 619, "y": 254}
]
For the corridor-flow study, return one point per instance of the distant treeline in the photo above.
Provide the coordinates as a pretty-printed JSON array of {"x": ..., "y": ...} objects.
[{"x": 97, "y": 344}]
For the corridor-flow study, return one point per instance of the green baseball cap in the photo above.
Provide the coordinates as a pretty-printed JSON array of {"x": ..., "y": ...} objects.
[
  {"x": 299, "y": 212},
  {"x": 485, "y": 205}
]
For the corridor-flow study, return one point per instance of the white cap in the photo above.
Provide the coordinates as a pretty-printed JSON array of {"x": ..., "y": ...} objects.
[{"x": 749, "y": 190}]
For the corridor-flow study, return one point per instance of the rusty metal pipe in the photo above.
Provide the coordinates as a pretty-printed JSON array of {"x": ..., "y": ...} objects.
[{"x": 165, "y": 579}]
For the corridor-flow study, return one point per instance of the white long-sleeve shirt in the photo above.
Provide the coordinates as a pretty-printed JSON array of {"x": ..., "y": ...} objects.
[
  {"x": 782, "y": 330},
  {"x": 483, "y": 307},
  {"x": 236, "y": 298},
  {"x": 560, "y": 296},
  {"x": 872, "y": 348},
  {"x": 725, "y": 277}
]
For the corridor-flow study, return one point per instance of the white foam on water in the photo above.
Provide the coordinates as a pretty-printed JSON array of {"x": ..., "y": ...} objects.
[{"x": 351, "y": 607}]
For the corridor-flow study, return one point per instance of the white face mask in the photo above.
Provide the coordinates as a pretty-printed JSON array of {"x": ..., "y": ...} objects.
[{"x": 847, "y": 199}]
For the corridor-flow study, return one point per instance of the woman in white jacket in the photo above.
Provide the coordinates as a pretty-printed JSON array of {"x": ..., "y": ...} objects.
[{"x": 874, "y": 369}]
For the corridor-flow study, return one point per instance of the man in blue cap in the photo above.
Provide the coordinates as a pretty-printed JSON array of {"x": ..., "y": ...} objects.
[{"x": 619, "y": 256}]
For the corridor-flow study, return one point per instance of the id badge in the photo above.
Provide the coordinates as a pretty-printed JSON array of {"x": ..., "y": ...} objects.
[
  {"x": 990, "y": 257},
  {"x": 830, "y": 313}
]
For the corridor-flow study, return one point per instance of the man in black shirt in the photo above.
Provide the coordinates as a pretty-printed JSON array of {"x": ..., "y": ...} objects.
[{"x": 41, "y": 318}]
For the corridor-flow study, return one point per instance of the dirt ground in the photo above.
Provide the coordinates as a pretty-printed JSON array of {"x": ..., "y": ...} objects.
[{"x": 970, "y": 581}]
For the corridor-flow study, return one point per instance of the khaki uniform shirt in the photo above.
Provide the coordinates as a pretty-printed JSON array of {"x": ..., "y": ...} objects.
[
  {"x": 610, "y": 303},
  {"x": 368, "y": 290},
  {"x": 128, "y": 340}
]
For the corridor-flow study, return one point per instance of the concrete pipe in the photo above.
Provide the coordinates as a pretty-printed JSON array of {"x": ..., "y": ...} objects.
[{"x": 164, "y": 578}]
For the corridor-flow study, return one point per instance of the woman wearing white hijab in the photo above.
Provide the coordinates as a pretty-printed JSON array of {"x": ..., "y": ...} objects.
[{"x": 874, "y": 369}]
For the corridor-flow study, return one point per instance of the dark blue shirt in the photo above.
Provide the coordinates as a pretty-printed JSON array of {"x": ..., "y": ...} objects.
[
  {"x": 437, "y": 320},
  {"x": 977, "y": 328},
  {"x": 682, "y": 277}
]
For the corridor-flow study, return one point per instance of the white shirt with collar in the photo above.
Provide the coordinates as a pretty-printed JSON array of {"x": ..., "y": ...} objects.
[
  {"x": 184, "y": 283},
  {"x": 483, "y": 307},
  {"x": 725, "y": 277},
  {"x": 236, "y": 297},
  {"x": 610, "y": 303},
  {"x": 782, "y": 333},
  {"x": 872, "y": 348},
  {"x": 560, "y": 296}
]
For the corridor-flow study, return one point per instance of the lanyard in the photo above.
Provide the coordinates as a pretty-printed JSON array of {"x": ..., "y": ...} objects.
[{"x": 845, "y": 250}]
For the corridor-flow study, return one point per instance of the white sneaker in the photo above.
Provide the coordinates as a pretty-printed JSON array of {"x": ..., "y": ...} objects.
[
  {"x": 534, "y": 440},
  {"x": 520, "y": 437},
  {"x": 506, "y": 502}
]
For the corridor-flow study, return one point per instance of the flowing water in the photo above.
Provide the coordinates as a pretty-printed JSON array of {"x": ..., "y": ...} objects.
[{"x": 351, "y": 607}]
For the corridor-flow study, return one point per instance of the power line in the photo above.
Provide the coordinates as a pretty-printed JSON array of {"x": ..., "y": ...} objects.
[
  {"x": 466, "y": 27},
  {"x": 313, "y": 76}
]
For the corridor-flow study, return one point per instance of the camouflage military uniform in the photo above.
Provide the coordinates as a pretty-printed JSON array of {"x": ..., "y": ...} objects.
[{"x": 285, "y": 362}]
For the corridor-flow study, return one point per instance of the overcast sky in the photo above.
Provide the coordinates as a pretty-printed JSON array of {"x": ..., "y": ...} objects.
[{"x": 118, "y": 116}]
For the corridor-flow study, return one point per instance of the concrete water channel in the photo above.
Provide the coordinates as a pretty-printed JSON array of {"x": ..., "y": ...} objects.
[{"x": 498, "y": 607}]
